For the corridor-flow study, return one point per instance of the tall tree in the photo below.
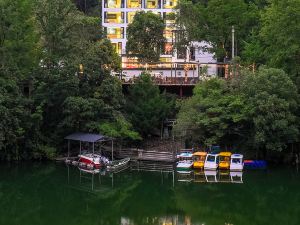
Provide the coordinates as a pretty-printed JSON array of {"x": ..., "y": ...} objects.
[
  {"x": 146, "y": 107},
  {"x": 280, "y": 35},
  {"x": 211, "y": 21},
  {"x": 18, "y": 39},
  {"x": 145, "y": 37}
]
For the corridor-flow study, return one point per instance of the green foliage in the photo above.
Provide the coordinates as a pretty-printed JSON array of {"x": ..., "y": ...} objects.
[
  {"x": 213, "y": 114},
  {"x": 280, "y": 35},
  {"x": 145, "y": 36},
  {"x": 272, "y": 97},
  {"x": 62, "y": 98},
  {"x": 18, "y": 39},
  {"x": 253, "y": 110},
  {"x": 211, "y": 21},
  {"x": 120, "y": 128},
  {"x": 146, "y": 106}
]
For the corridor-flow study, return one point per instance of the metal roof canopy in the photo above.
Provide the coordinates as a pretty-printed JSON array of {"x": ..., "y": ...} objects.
[
  {"x": 91, "y": 138},
  {"x": 87, "y": 137}
]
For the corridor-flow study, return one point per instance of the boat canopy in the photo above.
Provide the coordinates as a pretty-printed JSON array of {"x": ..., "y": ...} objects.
[
  {"x": 87, "y": 137},
  {"x": 226, "y": 154},
  {"x": 237, "y": 156},
  {"x": 200, "y": 154}
]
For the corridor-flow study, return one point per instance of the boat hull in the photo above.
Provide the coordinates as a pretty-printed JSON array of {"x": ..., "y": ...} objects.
[{"x": 93, "y": 160}]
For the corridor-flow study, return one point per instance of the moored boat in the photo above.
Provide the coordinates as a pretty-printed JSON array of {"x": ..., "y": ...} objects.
[
  {"x": 94, "y": 160},
  {"x": 225, "y": 159},
  {"x": 199, "y": 159},
  {"x": 185, "y": 161},
  {"x": 236, "y": 163},
  {"x": 117, "y": 164},
  {"x": 211, "y": 162}
]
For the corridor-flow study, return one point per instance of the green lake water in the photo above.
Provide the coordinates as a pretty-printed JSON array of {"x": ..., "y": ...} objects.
[{"x": 56, "y": 194}]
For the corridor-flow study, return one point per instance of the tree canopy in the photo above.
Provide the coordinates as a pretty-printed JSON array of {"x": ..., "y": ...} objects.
[
  {"x": 146, "y": 106},
  {"x": 145, "y": 36},
  {"x": 257, "y": 111}
]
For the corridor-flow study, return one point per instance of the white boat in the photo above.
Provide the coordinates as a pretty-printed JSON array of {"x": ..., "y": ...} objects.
[
  {"x": 211, "y": 162},
  {"x": 117, "y": 164},
  {"x": 185, "y": 161},
  {"x": 236, "y": 163},
  {"x": 93, "y": 160}
]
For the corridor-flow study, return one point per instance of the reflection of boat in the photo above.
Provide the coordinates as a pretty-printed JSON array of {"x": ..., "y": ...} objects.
[
  {"x": 255, "y": 164},
  {"x": 224, "y": 160},
  {"x": 199, "y": 176},
  {"x": 94, "y": 160},
  {"x": 199, "y": 159},
  {"x": 211, "y": 162},
  {"x": 211, "y": 176},
  {"x": 224, "y": 176},
  {"x": 184, "y": 176},
  {"x": 236, "y": 162},
  {"x": 91, "y": 171},
  {"x": 185, "y": 161},
  {"x": 117, "y": 164},
  {"x": 236, "y": 177}
]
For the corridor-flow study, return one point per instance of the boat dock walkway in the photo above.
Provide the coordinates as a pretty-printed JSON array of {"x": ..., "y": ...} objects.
[{"x": 143, "y": 155}]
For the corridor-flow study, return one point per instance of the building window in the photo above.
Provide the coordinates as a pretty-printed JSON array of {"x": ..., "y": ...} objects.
[
  {"x": 168, "y": 33},
  {"x": 130, "y": 16},
  {"x": 117, "y": 47},
  {"x": 192, "y": 53},
  {"x": 115, "y": 32},
  {"x": 134, "y": 3},
  {"x": 113, "y": 17},
  {"x": 168, "y": 49},
  {"x": 181, "y": 51},
  {"x": 169, "y": 19},
  {"x": 111, "y": 4},
  {"x": 170, "y": 4},
  {"x": 152, "y": 4}
]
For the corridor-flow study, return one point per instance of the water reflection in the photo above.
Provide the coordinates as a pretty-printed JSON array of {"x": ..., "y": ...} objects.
[
  {"x": 164, "y": 220},
  {"x": 210, "y": 176},
  {"x": 91, "y": 180},
  {"x": 56, "y": 194}
]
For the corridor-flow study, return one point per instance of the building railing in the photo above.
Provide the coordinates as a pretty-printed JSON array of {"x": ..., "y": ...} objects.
[{"x": 167, "y": 80}]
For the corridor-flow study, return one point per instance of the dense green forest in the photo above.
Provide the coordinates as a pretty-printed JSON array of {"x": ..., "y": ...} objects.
[{"x": 55, "y": 78}]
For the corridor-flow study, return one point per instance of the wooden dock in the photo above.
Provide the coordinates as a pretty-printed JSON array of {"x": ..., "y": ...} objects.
[{"x": 143, "y": 155}]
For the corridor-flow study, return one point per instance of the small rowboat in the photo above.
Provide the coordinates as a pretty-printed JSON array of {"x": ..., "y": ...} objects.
[{"x": 116, "y": 164}]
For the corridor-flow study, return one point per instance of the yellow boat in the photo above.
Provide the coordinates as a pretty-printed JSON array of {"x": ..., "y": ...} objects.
[
  {"x": 199, "y": 159},
  {"x": 224, "y": 160}
]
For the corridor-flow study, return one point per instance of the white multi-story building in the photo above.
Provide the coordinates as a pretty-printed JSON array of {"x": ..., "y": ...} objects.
[{"x": 117, "y": 14}]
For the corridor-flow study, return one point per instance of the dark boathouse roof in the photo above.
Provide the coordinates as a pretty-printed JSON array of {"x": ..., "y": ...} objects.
[{"x": 87, "y": 137}]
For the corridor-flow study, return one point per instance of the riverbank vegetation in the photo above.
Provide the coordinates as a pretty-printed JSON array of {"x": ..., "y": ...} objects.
[{"x": 55, "y": 78}]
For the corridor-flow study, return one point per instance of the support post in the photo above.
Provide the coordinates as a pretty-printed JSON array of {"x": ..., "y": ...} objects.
[
  {"x": 232, "y": 50},
  {"x": 112, "y": 149},
  {"x": 79, "y": 147},
  {"x": 180, "y": 91},
  {"x": 68, "y": 149}
]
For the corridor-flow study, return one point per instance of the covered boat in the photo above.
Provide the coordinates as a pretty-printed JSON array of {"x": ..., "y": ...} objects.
[
  {"x": 236, "y": 163},
  {"x": 225, "y": 158},
  {"x": 199, "y": 159},
  {"x": 92, "y": 159},
  {"x": 211, "y": 162}
]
